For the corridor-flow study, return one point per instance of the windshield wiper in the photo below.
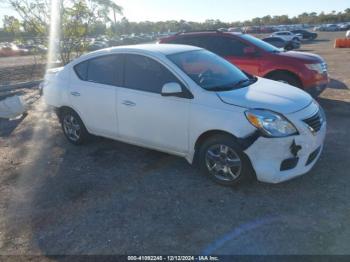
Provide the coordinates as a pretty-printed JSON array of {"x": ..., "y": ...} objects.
[
  {"x": 248, "y": 80},
  {"x": 239, "y": 84}
]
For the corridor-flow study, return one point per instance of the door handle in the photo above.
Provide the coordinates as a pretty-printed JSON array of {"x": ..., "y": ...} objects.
[
  {"x": 75, "y": 93},
  {"x": 128, "y": 103}
]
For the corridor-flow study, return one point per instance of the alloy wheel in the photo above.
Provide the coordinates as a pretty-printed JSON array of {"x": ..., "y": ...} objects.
[
  {"x": 223, "y": 162},
  {"x": 71, "y": 127}
]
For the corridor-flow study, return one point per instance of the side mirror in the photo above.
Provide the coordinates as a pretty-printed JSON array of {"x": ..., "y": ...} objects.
[
  {"x": 249, "y": 51},
  {"x": 172, "y": 89}
]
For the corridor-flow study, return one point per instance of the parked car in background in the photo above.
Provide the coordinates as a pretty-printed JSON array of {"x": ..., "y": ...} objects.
[
  {"x": 34, "y": 49},
  {"x": 190, "y": 102},
  {"x": 288, "y": 36},
  {"x": 344, "y": 27},
  {"x": 318, "y": 28},
  {"x": 331, "y": 28},
  {"x": 97, "y": 45},
  {"x": 305, "y": 34},
  {"x": 11, "y": 49},
  {"x": 235, "y": 29},
  {"x": 281, "y": 43},
  {"x": 256, "y": 57}
]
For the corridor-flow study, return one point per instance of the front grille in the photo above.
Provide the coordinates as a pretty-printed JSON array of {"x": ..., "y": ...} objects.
[{"x": 314, "y": 122}]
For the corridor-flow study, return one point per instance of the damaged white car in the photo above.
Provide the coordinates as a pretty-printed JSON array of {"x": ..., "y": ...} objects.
[{"x": 189, "y": 102}]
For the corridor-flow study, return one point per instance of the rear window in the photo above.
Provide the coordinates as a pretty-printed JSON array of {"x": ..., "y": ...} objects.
[{"x": 81, "y": 70}]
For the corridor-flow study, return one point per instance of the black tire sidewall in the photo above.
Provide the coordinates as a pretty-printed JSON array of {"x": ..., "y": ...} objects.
[
  {"x": 229, "y": 141},
  {"x": 291, "y": 80},
  {"x": 83, "y": 132}
]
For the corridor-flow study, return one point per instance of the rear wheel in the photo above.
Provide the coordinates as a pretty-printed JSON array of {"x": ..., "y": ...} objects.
[
  {"x": 73, "y": 128},
  {"x": 285, "y": 78},
  {"x": 222, "y": 160}
]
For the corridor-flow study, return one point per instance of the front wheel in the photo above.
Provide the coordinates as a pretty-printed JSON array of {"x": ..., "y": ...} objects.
[
  {"x": 289, "y": 47},
  {"x": 222, "y": 160}
]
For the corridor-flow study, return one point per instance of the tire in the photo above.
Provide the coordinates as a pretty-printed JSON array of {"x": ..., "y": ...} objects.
[
  {"x": 285, "y": 78},
  {"x": 73, "y": 128},
  {"x": 217, "y": 153},
  {"x": 289, "y": 47}
]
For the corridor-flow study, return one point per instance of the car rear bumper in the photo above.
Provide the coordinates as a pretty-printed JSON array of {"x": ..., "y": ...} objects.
[{"x": 274, "y": 159}]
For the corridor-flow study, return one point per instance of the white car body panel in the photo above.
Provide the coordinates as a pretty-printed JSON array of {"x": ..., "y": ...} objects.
[
  {"x": 275, "y": 96},
  {"x": 286, "y": 35},
  {"x": 173, "y": 124},
  {"x": 167, "y": 119},
  {"x": 96, "y": 105}
]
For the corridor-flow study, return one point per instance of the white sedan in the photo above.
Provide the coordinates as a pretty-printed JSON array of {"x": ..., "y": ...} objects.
[
  {"x": 189, "y": 102},
  {"x": 288, "y": 36}
]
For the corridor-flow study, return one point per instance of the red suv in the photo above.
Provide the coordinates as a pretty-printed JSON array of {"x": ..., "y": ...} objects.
[{"x": 254, "y": 56}]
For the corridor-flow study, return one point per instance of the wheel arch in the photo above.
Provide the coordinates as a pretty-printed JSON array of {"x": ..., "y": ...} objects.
[
  {"x": 206, "y": 135},
  {"x": 65, "y": 108},
  {"x": 284, "y": 71},
  {"x": 243, "y": 143},
  {"x": 61, "y": 109}
]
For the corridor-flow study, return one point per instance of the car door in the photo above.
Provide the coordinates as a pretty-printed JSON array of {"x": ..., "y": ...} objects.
[
  {"x": 232, "y": 49},
  {"x": 144, "y": 115},
  {"x": 278, "y": 42},
  {"x": 93, "y": 93}
]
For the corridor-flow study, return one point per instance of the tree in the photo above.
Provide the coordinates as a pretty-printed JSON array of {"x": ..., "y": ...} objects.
[
  {"x": 75, "y": 16},
  {"x": 12, "y": 25}
]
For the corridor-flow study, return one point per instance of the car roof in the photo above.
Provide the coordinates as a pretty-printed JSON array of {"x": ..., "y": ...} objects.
[
  {"x": 167, "y": 49},
  {"x": 209, "y": 32}
]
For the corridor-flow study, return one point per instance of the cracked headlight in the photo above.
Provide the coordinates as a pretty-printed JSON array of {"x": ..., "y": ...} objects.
[{"x": 271, "y": 124}]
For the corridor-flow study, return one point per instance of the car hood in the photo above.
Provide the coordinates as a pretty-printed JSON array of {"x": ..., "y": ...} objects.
[
  {"x": 268, "y": 94},
  {"x": 306, "y": 57}
]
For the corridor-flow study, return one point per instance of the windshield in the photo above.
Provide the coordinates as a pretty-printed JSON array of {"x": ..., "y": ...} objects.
[
  {"x": 261, "y": 44},
  {"x": 210, "y": 71}
]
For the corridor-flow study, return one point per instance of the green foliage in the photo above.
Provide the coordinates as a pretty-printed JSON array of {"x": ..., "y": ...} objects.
[
  {"x": 77, "y": 17},
  {"x": 12, "y": 25}
]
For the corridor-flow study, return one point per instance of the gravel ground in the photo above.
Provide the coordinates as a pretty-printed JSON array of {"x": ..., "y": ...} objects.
[{"x": 111, "y": 198}]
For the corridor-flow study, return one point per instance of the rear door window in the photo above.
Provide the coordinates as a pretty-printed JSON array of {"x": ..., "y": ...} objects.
[
  {"x": 224, "y": 46},
  {"x": 106, "y": 70},
  {"x": 186, "y": 40}
]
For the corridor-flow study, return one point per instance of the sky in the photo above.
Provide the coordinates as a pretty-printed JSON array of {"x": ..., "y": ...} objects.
[{"x": 225, "y": 10}]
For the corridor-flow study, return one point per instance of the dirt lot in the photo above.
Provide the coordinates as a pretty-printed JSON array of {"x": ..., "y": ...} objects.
[{"x": 111, "y": 198}]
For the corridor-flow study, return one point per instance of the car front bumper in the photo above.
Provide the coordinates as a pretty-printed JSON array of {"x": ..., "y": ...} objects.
[
  {"x": 273, "y": 159},
  {"x": 315, "y": 91}
]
